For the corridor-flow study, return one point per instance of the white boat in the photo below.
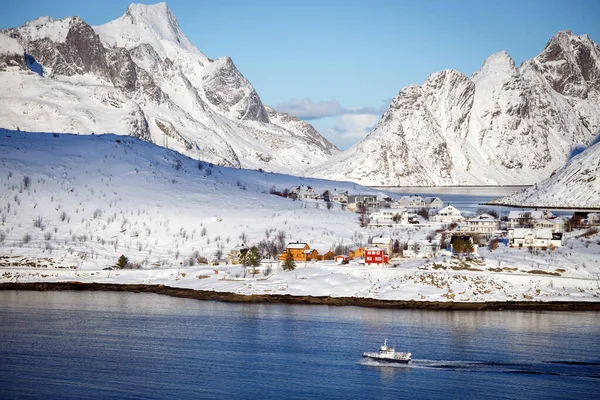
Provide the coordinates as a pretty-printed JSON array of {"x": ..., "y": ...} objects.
[{"x": 388, "y": 354}]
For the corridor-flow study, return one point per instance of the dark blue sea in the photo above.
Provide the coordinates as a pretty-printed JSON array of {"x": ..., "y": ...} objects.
[{"x": 106, "y": 345}]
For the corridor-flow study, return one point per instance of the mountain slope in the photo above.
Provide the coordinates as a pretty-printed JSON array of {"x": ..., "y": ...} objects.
[
  {"x": 139, "y": 75},
  {"x": 576, "y": 185},
  {"x": 505, "y": 125},
  {"x": 84, "y": 198}
]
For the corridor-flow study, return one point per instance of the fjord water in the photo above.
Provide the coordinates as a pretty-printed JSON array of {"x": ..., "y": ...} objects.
[
  {"x": 100, "y": 345},
  {"x": 465, "y": 198}
]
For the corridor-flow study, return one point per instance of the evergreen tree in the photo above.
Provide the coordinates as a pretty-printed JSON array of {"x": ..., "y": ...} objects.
[
  {"x": 289, "y": 264},
  {"x": 122, "y": 262},
  {"x": 251, "y": 258}
]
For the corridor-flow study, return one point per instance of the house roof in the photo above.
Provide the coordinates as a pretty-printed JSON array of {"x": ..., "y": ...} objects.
[
  {"x": 449, "y": 207},
  {"x": 429, "y": 200},
  {"x": 355, "y": 248},
  {"x": 297, "y": 245},
  {"x": 374, "y": 249}
]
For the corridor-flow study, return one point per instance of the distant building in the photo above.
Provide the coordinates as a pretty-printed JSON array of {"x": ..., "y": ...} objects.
[
  {"x": 433, "y": 202},
  {"x": 357, "y": 252},
  {"x": 369, "y": 201},
  {"x": 342, "y": 259},
  {"x": 376, "y": 256},
  {"x": 384, "y": 242},
  {"x": 525, "y": 219},
  {"x": 297, "y": 250},
  {"x": 525, "y": 237},
  {"x": 411, "y": 201},
  {"x": 422, "y": 248},
  {"x": 236, "y": 254},
  {"x": 448, "y": 215},
  {"x": 389, "y": 216},
  {"x": 482, "y": 224}
]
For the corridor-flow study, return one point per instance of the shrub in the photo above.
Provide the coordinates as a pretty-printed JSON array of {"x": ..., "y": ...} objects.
[
  {"x": 39, "y": 222},
  {"x": 26, "y": 238},
  {"x": 26, "y": 182}
]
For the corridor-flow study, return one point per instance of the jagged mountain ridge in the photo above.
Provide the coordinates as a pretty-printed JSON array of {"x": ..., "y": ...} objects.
[
  {"x": 140, "y": 75},
  {"x": 576, "y": 185},
  {"x": 505, "y": 125}
]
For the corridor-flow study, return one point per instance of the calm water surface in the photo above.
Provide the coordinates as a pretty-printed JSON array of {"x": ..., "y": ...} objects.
[
  {"x": 465, "y": 198},
  {"x": 100, "y": 345}
]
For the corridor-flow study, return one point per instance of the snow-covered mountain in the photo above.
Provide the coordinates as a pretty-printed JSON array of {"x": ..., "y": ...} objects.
[
  {"x": 139, "y": 75},
  {"x": 576, "y": 185},
  {"x": 505, "y": 125}
]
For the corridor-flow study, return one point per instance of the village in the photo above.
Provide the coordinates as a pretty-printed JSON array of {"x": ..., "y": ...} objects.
[{"x": 451, "y": 232}]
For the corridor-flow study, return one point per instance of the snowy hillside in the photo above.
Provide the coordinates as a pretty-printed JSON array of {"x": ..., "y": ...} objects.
[
  {"x": 91, "y": 198},
  {"x": 139, "y": 75},
  {"x": 505, "y": 125},
  {"x": 576, "y": 185}
]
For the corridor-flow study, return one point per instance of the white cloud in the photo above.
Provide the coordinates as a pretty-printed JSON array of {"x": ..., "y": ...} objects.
[
  {"x": 350, "y": 128},
  {"x": 309, "y": 110}
]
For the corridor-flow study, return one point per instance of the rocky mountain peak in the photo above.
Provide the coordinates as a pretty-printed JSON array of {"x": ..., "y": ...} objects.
[{"x": 571, "y": 64}]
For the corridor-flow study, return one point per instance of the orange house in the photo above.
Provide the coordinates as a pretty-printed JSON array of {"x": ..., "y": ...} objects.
[
  {"x": 297, "y": 250},
  {"x": 330, "y": 255},
  {"x": 357, "y": 252}
]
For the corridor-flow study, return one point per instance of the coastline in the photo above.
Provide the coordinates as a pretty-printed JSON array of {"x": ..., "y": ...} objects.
[
  {"x": 311, "y": 300},
  {"x": 565, "y": 208}
]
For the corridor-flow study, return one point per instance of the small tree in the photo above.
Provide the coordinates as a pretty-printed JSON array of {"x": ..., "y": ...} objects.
[
  {"x": 251, "y": 258},
  {"x": 396, "y": 249},
  {"x": 363, "y": 219},
  {"x": 289, "y": 264},
  {"x": 122, "y": 261}
]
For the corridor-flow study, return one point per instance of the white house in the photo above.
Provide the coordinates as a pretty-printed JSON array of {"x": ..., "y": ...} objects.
[
  {"x": 422, "y": 248},
  {"x": 340, "y": 197},
  {"x": 304, "y": 192},
  {"x": 525, "y": 237},
  {"x": 483, "y": 224},
  {"x": 525, "y": 219},
  {"x": 413, "y": 201},
  {"x": 384, "y": 242},
  {"x": 433, "y": 202},
  {"x": 389, "y": 216},
  {"x": 555, "y": 224},
  {"x": 592, "y": 219},
  {"x": 369, "y": 201},
  {"x": 448, "y": 215}
]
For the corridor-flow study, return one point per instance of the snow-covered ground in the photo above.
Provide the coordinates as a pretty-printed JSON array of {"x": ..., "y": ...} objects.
[{"x": 71, "y": 205}]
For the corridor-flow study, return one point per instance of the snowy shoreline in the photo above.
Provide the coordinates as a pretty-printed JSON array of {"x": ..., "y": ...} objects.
[{"x": 310, "y": 300}]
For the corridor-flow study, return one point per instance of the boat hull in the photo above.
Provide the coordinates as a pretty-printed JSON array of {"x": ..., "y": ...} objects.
[{"x": 389, "y": 360}]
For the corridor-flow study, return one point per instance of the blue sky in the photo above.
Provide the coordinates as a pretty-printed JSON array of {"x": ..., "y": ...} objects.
[{"x": 338, "y": 63}]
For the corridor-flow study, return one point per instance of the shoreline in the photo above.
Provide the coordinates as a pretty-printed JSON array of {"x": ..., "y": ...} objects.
[
  {"x": 581, "y": 209},
  {"x": 311, "y": 300}
]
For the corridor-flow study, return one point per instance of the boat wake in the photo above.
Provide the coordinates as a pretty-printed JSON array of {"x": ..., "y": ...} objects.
[{"x": 559, "y": 368}]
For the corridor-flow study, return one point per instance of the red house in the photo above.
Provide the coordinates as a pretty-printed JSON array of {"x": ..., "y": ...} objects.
[{"x": 375, "y": 255}]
